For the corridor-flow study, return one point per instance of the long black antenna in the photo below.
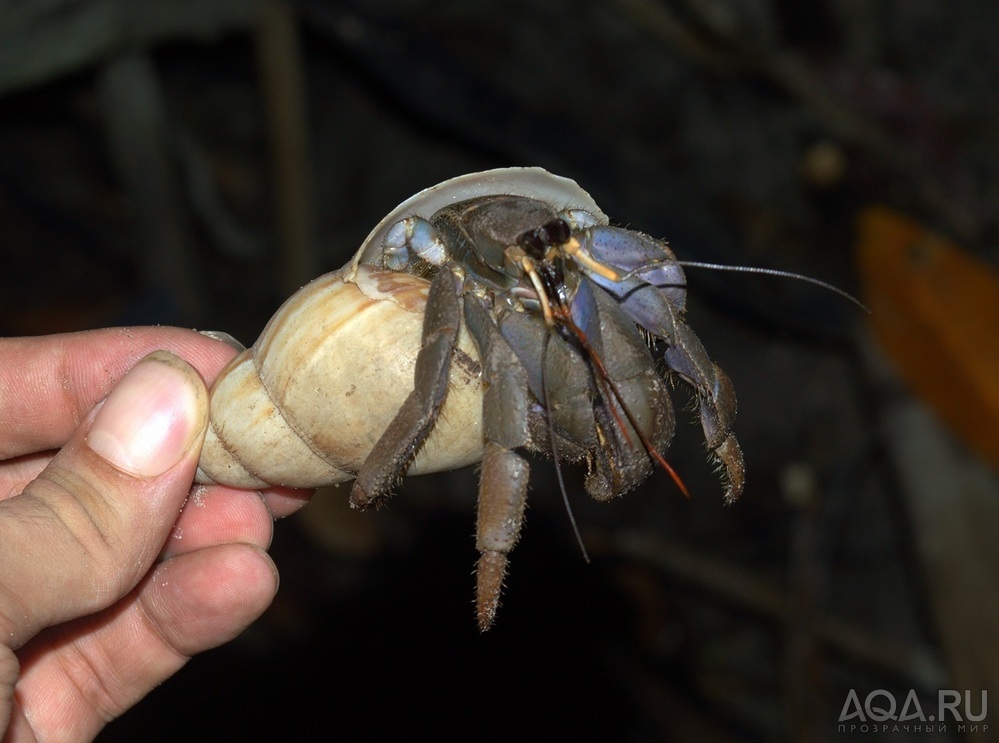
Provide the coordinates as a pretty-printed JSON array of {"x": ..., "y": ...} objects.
[{"x": 780, "y": 274}]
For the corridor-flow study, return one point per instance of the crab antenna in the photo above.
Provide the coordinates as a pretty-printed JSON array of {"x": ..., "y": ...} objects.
[
  {"x": 780, "y": 274},
  {"x": 558, "y": 467}
]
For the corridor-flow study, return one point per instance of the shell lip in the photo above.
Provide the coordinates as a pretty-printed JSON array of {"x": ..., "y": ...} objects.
[{"x": 534, "y": 182}]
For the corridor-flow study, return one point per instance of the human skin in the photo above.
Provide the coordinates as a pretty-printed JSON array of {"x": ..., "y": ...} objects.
[{"x": 114, "y": 568}]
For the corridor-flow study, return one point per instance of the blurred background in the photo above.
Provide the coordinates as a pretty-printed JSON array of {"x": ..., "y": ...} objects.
[{"x": 193, "y": 163}]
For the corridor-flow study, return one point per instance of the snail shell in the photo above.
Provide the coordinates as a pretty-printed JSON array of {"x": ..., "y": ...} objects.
[
  {"x": 536, "y": 183},
  {"x": 307, "y": 402}
]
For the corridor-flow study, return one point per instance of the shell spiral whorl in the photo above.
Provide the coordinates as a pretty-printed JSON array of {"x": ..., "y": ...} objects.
[{"x": 308, "y": 401}]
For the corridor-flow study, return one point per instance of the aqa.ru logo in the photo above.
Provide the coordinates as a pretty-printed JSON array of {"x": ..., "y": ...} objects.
[{"x": 880, "y": 706}]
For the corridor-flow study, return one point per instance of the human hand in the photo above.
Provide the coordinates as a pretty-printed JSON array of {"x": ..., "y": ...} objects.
[{"x": 111, "y": 576}]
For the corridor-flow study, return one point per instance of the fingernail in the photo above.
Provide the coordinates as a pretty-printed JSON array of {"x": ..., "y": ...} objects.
[
  {"x": 221, "y": 335},
  {"x": 152, "y": 416}
]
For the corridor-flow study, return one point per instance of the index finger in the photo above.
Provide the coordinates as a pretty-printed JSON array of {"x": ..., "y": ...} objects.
[{"x": 48, "y": 384}]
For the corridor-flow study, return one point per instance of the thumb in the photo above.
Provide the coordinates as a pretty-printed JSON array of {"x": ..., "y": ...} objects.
[{"x": 84, "y": 532}]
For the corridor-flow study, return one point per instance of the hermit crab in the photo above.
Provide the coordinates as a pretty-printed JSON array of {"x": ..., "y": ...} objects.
[{"x": 521, "y": 321}]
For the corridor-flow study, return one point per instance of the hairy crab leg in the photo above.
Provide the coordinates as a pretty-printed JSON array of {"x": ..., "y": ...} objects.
[
  {"x": 686, "y": 356},
  {"x": 409, "y": 429},
  {"x": 649, "y": 292},
  {"x": 505, "y": 474},
  {"x": 716, "y": 397}
]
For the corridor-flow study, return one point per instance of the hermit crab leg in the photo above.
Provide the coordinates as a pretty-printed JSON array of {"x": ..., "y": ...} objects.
[
  {"x": 409, "y": 429},
  {"x": 685, "y": 356},
  {"x": 716, "y": 397},
  {"x": 504, "y": 477},
  {"x": 650, "y": 292}
]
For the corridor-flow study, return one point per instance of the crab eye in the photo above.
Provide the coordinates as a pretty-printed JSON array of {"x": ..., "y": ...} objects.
[
  {"x": 535, "y": 241},
  {"x": 555, "y": 232},
  {"x": 532, "y": 243}
]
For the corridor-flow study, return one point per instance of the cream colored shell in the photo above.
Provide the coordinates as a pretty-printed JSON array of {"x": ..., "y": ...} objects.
[{"x": 307, "y": 402}]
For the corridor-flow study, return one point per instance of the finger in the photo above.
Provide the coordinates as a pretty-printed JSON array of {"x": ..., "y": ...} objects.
[
  {"x": 279, "y": 502},
  {"x": 90, "y": 671},
  {"x": 15, "y": 474},
  {"x": 84, "y": 532},
  {"x": 48, "y": 384},
  {"x": 219, "y": 515},
  {"x": 285, "y": 501}
]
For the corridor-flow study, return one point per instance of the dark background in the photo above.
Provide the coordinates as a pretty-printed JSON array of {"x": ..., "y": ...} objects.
[{"x": 144, "y": 159}]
